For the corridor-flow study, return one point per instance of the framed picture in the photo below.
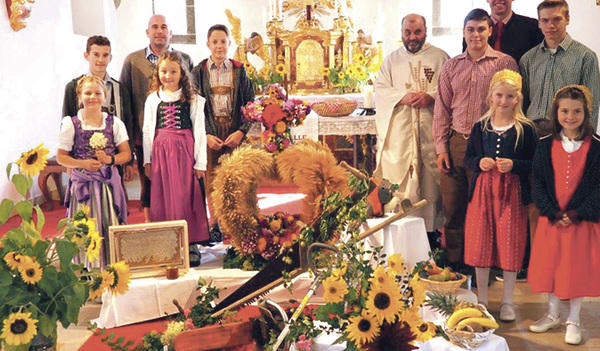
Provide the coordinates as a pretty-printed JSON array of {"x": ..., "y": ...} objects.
[{"x": 149, "y": 248}]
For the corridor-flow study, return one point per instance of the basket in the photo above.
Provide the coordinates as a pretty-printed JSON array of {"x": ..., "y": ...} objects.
[
  {"x": 448, "y": 287},
  {"x": 469, "y": 340},
  {"x": 334, "y": 107}
]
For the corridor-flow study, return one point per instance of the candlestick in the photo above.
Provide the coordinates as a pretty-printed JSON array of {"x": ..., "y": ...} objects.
[{"x": 368, "y": 92}]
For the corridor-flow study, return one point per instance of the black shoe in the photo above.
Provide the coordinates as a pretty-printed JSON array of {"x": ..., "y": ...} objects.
[
  {"x": 195, "y": 256},
  {"x": 216, "y": 236}
]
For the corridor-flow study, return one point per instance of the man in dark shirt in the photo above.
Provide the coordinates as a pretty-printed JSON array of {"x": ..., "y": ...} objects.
[{"x": 512, "y": 34}]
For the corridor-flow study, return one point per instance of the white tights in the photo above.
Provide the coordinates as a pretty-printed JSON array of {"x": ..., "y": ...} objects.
[
  {"x": 483, "y": 277},
  {"x": 554, "y": 307}
]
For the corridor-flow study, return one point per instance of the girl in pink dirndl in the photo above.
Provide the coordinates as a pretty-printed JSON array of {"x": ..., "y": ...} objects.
[
  {"x": 500, "y": 152},
  {"x": 174, "y": 142},
  {"x": 565, "y": 255}
]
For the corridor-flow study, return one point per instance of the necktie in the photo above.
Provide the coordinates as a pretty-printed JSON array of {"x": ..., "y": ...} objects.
[{"x": 499, "y": 29}]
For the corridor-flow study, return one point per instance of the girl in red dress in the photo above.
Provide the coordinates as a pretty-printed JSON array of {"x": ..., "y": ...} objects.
[
  {"x": 500, "y": 152},
  {"x": 565, "y": 256}
]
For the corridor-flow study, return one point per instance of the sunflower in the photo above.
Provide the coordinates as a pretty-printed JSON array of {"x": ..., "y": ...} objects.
[
  {"x": 335, "y": 289},
  {"x": 121, "y": 273},
  {"x": 392, "y": 337},
  {"x": 340, "y": 271},
  {"x": 100, "y": 284},
  {"x": 93, "y": 249},
  {"x": 363, "y": 328},
  {"x": 424, "y": 331},
  {"x": 362, "y": 75},
  {"x": 31, "y": 272},
  {"x": 264, "y": 72},
  {"x": 359, "y": 58},
  {"x": 396, "y": 264},
  {"x": 15, "y": 260},
  {"x": 384, "y": 302},
  {"x": 82, "y": 213},
  {"x": 418, "y": 290},
  {"x": 325, "y": 71},
  {"x": 341, "y": 75},
  {"x": 33, "y": 161},
  {"x": 19, "y": 328},
  {"x": 280, "y": 69},
  {"x": 381, "y": 278}
]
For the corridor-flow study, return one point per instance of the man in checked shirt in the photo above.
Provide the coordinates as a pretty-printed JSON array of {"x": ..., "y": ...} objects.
[
  {"x": 461, "y": 100},
  {"x": 226, "y": 87}
]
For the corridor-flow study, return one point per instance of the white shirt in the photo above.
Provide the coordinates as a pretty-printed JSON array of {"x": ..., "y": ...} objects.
[{"x": 570, "y": 145}]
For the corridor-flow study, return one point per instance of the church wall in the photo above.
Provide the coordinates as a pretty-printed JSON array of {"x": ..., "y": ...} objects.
[{"x": 37, "y": 62}]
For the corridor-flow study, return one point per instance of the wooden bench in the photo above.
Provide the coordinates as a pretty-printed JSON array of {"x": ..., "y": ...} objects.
[{"x": 55, "y": 170}]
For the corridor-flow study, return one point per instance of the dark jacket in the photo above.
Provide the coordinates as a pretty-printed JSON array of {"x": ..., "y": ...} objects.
[
  {"x": 519, "y": 35},
  {"x": 585, "y": 203},
  {"x": 484, "y": 144},
  {"x": 120, "y": 103},
  {"x": 244, "y": 92}
]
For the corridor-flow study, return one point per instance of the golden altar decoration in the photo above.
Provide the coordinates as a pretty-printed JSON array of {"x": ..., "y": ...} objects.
[{"x": 301, "y": 58}]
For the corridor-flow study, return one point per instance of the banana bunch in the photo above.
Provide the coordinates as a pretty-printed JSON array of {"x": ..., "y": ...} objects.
[{"x": 470, "y": 320}]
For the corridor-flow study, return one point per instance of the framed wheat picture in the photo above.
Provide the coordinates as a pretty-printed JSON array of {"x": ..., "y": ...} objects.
[{"x": 149, "y": 248}]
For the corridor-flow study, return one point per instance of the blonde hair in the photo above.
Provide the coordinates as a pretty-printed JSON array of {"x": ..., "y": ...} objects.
[
  {"x": 92, "y": 79},
  {"x": 502, "y": 79}
]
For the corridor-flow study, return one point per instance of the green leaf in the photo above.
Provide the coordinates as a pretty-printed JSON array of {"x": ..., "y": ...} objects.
[
  {"x": 129, "y": 343},
  {"x": 29, "y": 182},
  {"x": 47, "y": 325},
  {"x": 40, "y": 250},
  {"x": 41, "y": 219},
  {"x": 5, "y": 278},
  {"x": 72, "y": 309},
  {"x": 66, "y": 251},
  {"x": 8, "y": 169},
  {"x": 20, "y": 182},
  {"x": 24, "y": 209},
  {"x": 63, "y": 222},
  {"x": 49, "y": 283},
  {"x": 6, "y": 208},
  {"x": 31, "y": 230},
  {"x": 120, "y": 340}
]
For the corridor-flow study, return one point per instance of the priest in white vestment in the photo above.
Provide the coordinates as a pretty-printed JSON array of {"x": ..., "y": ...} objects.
[{"x": 405, "y": 93}]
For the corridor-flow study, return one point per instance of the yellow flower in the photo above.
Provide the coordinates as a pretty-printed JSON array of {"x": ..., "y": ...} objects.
[
  {"x": 280, "y": 68},
  {"x": 86, "y": 227},
  {"x": 418, "y": 290},
  {"x": 362, "y": 75},
  {"x": 424, "y": 331},
  {"x": 341, "y": 75},
  {"x": 15, "y": 260},
  {"x": 280, "y": 127},
  {"x": 265, "y": 72},
  {"x": 31, "y": 272},
  {"x": 174, "y": 328},
  {"x": 33, "y": 161},
  {"x": 384, "y": 302},
  {"x": 19, "y": 328},
  {"x": 359, "y": 58},
  {"x": 100, "y": 284},
  {"x": 339, "y": 272},
  {"x": 396, "y": 264},
  {"x": 325, "y": 71},
  {"x": 93, "y": 249},
  {"x": 381, "y": 278},
  {"x": 82, "y": 213},
  {"x": 351, "y": 71},
  {"x": 411, "y": 316},
  {"x": 362, "y": 329},
  {"x": 334, "y": 289},
  {"x": 121, "y": 273}
]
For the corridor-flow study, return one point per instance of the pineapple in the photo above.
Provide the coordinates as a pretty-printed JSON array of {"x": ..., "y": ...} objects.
[{"x": 445, "y": 304}]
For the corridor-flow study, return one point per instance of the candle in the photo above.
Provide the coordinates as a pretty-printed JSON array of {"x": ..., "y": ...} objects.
[{"x": 368, "y": 91}]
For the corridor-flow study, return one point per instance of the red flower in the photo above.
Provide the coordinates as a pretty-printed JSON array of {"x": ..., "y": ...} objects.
[{"x": 272, "y": 114}]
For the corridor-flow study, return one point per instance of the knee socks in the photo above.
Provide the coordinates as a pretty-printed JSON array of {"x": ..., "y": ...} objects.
[{"x": 483, "y": 277}]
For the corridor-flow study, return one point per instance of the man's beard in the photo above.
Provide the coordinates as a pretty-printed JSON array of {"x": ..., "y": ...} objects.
[{"x": 416, "y": 49}]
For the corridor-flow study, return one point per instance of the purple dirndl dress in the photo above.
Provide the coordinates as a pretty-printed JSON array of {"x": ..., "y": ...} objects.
[
  {"x": 101, "y": 190},
  {"x": 175, "y": 190}
]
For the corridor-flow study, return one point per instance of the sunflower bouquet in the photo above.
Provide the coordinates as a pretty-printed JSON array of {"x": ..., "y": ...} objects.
[
  {"x": 39, "y": 283},
  {"x": 266, "y": 75},
  {"x": 349, "y": 79},
  {"x": 372, "y": 304},
  {"x": 277, "y": 114}
]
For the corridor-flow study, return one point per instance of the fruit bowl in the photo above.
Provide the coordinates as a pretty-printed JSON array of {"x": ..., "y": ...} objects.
[
  {"x": 467, "y": 338},
  {"x": 442, "y": 281}
]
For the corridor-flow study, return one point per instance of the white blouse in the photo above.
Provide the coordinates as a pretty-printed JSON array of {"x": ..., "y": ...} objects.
[
  {"x": 66, "y": 137},
  {"x": 570, "y": 145}
]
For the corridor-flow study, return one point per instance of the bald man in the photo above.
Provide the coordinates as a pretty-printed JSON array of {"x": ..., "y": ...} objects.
[
  {"x": 136, "y": 77},
  {"x": 405, "y": 93}
]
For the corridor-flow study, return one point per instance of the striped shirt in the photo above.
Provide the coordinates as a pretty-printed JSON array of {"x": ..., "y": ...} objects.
[
  {"x": 152, "y": 57},
  {"x": 462, "y": 93},
  {"x": 545, "y": 72},
  {"x": 221, "y": 76}
]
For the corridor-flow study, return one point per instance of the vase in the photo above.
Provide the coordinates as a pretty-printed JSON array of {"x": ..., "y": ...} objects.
[{"x": 42, "y": 343}]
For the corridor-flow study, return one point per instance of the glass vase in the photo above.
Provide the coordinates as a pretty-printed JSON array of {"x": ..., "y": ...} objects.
[{"x": 42, "y": 343}]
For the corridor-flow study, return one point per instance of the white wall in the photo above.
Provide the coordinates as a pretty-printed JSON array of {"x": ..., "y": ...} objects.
[{"x": 37, "y": 62}]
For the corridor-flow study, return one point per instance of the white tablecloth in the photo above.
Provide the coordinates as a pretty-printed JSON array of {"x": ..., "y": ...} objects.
[
  {"x": 151, "y": 298},
  {"x": 406, "y": 236}
]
